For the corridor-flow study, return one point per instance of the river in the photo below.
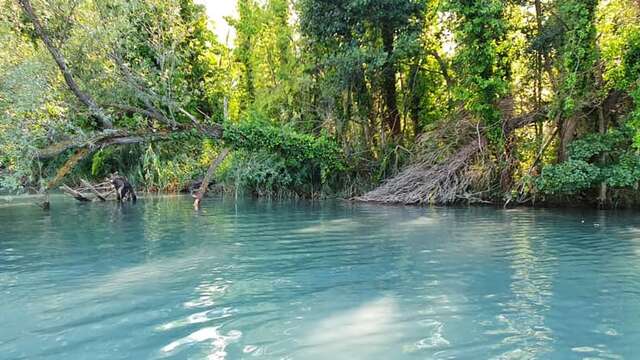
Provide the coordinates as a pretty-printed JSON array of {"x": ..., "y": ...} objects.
[{"x": 316, "y": 280}]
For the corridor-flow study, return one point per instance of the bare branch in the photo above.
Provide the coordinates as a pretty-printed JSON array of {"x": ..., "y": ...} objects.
[{"x": 205, "y": 182}]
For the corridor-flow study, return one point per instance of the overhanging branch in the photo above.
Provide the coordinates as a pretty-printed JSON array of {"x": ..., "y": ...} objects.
[
  {"x": 104, "y": 139},
  {"x": 101, "y": 118}
]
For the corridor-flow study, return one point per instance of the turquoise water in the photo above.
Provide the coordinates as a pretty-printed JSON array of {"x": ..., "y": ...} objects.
[{"x": 331, "y": 280}]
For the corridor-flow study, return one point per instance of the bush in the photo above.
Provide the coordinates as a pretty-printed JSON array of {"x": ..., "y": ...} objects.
[
  {"x": 272, "y": 158},
  {"x": 583, "y": 170}
]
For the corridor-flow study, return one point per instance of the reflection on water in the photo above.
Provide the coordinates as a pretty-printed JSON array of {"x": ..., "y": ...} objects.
[
  {"x": 336, "y": 225},
  {"x": 523, "y": 316},
  {"x": 362, "y": 332},
  {"x": 316, "y": 281},
  {"x": 211, "y": 335}
]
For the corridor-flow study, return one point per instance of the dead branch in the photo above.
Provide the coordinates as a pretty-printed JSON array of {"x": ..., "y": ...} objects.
[
  {"x": 75, "y": 194},
  {"x": 440, "y": 173},
  {"x": 136, "y": 110},
  {"x": 427, "y": 182},
  {"x": 524, "y": 120},
  {"x": 205, "y": 182},
  {"x": 93, "y": 190}
]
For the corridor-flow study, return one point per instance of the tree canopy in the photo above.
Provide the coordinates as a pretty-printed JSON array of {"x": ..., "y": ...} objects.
[{"x": 438, "y": 101}]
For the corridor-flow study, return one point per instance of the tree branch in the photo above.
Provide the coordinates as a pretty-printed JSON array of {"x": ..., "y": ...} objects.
[
  {"x": 101, "y": 118},
  {"x": 104, "y": 139},
  {"x": 205, "y": 182},
  {"x": 524, "y": 120},
  {"x": 141, "y": 91},
  {"x": 444, "y": 69}
]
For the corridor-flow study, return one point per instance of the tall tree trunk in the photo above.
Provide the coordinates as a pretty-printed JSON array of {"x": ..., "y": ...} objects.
[
  {"x": 506, "y": 175},
  {"x": 603, "y": 124},
  {"x": 101, "y": 118},
  {"x": 567, "y": 134},
  {"x": 248, "y": 70},
  {"x": 414, "y": 99},
  {"x": 509, "y": 165},
  {"x": 538, "y": 83},
  {"x": 392, "y": 117},
  {"x": 602, "y": 129}
]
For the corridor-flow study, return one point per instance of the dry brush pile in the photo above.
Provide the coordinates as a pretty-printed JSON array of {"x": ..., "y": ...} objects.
[{"x": 452, "y": 164}]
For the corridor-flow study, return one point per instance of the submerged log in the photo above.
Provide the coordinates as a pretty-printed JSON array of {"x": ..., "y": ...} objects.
[
  {"x": 93, "y": 190},
  {"x": 75, "y": 194},
  {"x": 88, "y": 192}
]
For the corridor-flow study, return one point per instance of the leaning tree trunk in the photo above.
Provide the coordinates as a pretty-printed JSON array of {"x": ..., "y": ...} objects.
[
  {"x": 71, "y": 163},
  {"x": 101, "y": 118},
  {"x": 205, "y": 182}
]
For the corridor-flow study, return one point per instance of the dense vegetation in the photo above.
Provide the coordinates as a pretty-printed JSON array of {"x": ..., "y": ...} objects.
[{"x": 516, "y": 101}]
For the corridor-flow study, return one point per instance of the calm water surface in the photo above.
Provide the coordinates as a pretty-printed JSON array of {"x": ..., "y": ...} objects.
[{"x": 331, "y": 280}]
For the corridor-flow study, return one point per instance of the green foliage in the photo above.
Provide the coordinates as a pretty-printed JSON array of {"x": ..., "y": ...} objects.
[
  {"x": 590, "y": 145},
  {"x": 269, "y": 71},
  {"x": 569, "y": 177},
  {"x": 357, "y": 51},
  {"x": 300, "y": 161},
  {"x": 163, "y": 169},
  {"x": 631, "y": 66},
  {"x": 584, "y": 170},
  {"x": 172, "y": 53},
  {"x": 578, "y": 55},
  {"x": 311, "y": 90},
  {"x": 260, "y": 173},
  {"x": 480, "y": 31},
  {"x": 624, "y": 174}
]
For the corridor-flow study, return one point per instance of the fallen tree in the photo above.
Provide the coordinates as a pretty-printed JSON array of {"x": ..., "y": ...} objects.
[
  {"x": 444, "y": 175},
  {"x": 429, "y": 180},
  {"x": 108, "y": 136},
  {"x": 98, "y": 113},
  {"x": 440, "y": 175}
]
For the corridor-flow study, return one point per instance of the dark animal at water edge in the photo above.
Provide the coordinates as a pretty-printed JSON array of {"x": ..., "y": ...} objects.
[{"x": 124, "y": 190}]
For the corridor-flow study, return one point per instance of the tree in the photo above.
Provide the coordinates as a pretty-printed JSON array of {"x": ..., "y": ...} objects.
[{"x": 370, "y": 37}]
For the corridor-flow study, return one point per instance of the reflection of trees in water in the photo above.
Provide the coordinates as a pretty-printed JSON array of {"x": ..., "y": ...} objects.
[{"x": 523, "y": 316}]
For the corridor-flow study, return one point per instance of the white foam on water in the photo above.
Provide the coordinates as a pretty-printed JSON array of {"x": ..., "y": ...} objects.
[{"x": 197, "y": 318}]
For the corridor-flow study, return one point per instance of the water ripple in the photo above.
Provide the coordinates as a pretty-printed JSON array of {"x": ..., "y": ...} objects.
[{"x": 298, "y": 280}]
